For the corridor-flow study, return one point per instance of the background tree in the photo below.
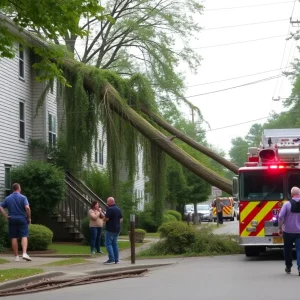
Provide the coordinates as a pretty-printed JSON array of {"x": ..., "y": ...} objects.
[{"x": 146, "y": 36}]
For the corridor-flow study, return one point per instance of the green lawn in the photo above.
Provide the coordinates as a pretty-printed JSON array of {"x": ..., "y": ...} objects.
[
  {"x": 67, "y": 262},
  {"x": 74, "y": 248},
  {"x": 152, "y": 235},
  {"x": 11, "y": 274}
]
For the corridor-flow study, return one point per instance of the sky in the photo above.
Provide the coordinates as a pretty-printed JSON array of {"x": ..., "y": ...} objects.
[{"x": 270, "y": 52}]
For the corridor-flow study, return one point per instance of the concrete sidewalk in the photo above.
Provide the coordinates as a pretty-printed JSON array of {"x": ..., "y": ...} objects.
[{"x": 92, "y": 267}]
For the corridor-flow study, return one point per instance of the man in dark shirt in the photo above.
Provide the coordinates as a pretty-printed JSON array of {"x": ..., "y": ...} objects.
[
  {"x": 113, "y": 219},
  {"x": 18, "y": 217}
]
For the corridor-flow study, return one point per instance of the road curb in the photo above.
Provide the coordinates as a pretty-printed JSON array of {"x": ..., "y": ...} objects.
[
  {"x": 64, "y": 255},
  {"x": 127, "y": 268},
  {"x": 26, "y": 280}
]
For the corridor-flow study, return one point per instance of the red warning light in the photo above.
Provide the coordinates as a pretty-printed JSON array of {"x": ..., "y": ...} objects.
[{"x": 276, "y": 167}]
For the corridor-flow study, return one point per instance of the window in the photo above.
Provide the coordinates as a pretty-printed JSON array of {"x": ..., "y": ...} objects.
[
  {"x": 51, "y": 83},
  {"x": 203, "y": 207},
  {"x": 21, "y": 62},
  {"x": 101, "y": 144},
  {"x": 52, "y": 130},
  {"x": 7, "y": 180},
  {"x": 99, "y": 153},
  {"x": 22, "y": 120},
  {"x": 258, "y": 186}
]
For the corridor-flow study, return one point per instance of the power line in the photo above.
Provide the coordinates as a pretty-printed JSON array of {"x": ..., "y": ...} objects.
[
  {"x": 237, "y": 86},
  {"x": 233, "y": 78},
  {"x": 285, "y": 44},
  {"x": 241, "y": 42},
  {"x": 219, "y": 45},
  {"x": 248, "y": 24},
  {"x": 248, "y": 6},
  {"x": 237, "y": 124}
]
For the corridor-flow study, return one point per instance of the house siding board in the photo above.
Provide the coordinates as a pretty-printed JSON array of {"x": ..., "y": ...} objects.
[{"x": 13, "y": 151}]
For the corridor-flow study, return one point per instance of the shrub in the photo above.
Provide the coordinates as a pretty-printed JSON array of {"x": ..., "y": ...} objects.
[
  {"x": 211, "y": 244},
  {"x": 85, "y": 230},
  {"x": 174, "y": 213},
  {"x": 4, "y": 240},
  {"x": 146, "y": 220},
  {"x": 40, "y": 237},
  {"x": 168, "y": 218},
  {"x": 44, "y": 186},
  {"x": 139, "y": 235},
  {"x": 178, "y": 236}
]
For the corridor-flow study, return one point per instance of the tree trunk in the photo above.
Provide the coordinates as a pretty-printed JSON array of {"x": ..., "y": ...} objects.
[
  {"x": 154, "y": 135},
  {"x": 224, "y": 162}
]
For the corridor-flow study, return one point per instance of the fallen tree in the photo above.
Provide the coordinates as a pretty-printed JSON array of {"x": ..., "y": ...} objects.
[{"x": 177, "y": 133}]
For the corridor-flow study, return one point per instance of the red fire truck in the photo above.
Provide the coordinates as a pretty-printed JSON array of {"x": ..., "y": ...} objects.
[{"x": 263, "y": 185}]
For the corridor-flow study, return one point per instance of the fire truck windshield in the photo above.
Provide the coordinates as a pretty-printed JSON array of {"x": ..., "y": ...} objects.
[{"x": 261, "y": 186}]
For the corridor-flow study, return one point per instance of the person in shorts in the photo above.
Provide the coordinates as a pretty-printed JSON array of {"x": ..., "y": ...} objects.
[{"x": 19, "y": 216}]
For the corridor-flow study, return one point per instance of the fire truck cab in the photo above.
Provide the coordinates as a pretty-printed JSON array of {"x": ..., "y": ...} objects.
[{"x": 263, "y": 185}]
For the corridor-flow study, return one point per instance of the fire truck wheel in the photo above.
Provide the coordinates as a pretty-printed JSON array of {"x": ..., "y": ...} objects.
[{"x": 251, "y": 251}]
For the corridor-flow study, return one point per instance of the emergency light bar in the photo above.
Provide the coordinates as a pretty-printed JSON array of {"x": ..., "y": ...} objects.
[{"x": 276, "y": 167}]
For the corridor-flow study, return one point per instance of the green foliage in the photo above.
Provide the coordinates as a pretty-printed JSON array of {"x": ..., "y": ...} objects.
[
  {"x": 98, "y": 181},
  {"x": 174, "y": 213},
  {"x": 146, "y": 219},
  {"x": 43, "y": 184},
  {"x": 179, "y": 236},
  {"x": 201, "y": 242},
  {"x": 40, "y": 237},
  {"x": 139, "y": 235},
  {"x": 85, "y": 230},
  {"x": 4, "y": 240},
  {"x": 168, "y": 218},
  {"x": 49, "y": 17},
  {"x": 207, "y": 242}
]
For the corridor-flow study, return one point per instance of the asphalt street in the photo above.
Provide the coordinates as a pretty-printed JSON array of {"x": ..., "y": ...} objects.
[
  {"x": 222, "y": 277},
  {"x": 229, "y": 227}
]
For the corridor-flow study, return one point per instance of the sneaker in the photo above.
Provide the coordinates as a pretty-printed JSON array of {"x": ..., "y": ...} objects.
[
  {"x": 99, "y": 252},
  {"x": 93, "y": 252},
  {"x": 17, "y": 258},
  {"x": 288, "y": 270},
  {"x": 116, "y": 262},
  {"x": 109, "y": 262},
  {"x": 26, "y": 257}
]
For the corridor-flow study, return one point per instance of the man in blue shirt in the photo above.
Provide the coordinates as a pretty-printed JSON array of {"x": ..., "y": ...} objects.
[
  {"x": 19, "y": 216},
  {"x": 113, "y": 219}
]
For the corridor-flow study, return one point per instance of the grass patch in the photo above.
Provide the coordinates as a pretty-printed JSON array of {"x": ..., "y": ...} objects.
[
  {"x": 67, "y": 262},
  {"x": 153, "y": 235},
  {"x": 12, "y": 274},
  {"x": 75, "y": 248},
  {"x": 3, "y": 261}
]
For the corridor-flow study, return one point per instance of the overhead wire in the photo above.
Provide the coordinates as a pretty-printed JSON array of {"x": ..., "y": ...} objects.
[
  {"x": 246, "y": 24},
  {"x": 282, "y": 59},
  {"x": 233, "y": 78},
  {"x": 237, "y": 86},
  {"x": 247, "y": 6}
]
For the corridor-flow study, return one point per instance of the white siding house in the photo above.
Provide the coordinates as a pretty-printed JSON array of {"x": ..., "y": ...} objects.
[
  {"x": 16, "y": 111},
  {"x": 22, "y": 124}
]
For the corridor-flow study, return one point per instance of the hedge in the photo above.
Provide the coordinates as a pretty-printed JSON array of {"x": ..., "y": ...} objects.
[{"x": 174, "y": 213}]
